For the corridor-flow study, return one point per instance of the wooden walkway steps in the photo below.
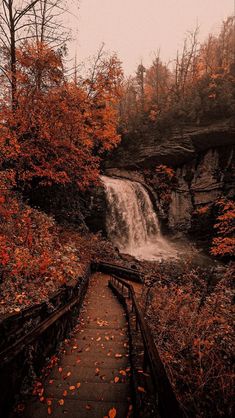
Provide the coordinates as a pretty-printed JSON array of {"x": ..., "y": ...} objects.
[{"x": 92, "y": 377}]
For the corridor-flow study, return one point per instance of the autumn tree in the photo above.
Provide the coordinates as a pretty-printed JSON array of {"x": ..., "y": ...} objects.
[
  {"x": 46, "y": 23},
  {"x": 62, "y": 128},
  {"x": 38, "y": 20},
  {"x": 157, "y": 87},
  {"x": 13, "y": 28},
  {"x": 140, "y": 81},
  {"x": 128, "y": 106}
]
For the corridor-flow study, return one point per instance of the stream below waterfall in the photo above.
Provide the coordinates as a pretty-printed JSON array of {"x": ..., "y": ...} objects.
[{"x": 132, "y": 224}]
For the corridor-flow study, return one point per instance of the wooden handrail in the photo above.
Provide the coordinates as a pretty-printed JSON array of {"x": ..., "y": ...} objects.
[
  {"x": 168, "y": 404},
  {"x": 18, "y": 346}
]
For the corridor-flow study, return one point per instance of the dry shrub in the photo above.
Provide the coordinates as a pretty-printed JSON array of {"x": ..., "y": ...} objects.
[{"x": 194, "y": 336}]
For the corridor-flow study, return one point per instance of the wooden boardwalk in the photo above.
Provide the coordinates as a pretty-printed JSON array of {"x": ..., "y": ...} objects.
[{"x": 91, "y": 378}]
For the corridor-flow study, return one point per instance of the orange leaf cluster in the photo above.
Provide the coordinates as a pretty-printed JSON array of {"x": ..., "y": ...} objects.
[{"x": 224, "y": 243}]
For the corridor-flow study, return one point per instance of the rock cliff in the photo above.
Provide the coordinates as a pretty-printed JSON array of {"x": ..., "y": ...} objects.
[
  {"x": 203, "y": 159},
  {"x": 201, "y": 182},
  {"x": 146, "y": 150}
]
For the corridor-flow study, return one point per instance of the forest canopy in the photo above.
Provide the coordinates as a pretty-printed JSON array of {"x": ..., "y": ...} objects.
[{"x": 197, "y": 87}]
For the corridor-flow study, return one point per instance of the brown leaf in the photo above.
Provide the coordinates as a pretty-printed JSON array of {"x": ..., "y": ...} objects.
[
  {"x": 61, "y": 402},
  {"x": 116, "y": 379},
  {"x": 49, "y": 410},
  {"x": 72, "y": 388},
  {"x": 141, "y": 389}
]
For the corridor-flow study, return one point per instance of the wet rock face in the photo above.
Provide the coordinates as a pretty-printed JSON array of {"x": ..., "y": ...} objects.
[
  {"x": 95, "y": 208},
  {"x": 201, "y": 182}
]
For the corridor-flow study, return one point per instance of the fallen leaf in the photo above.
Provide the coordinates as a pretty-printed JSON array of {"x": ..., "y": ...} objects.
[
  {"x": 112, "y": 413},
  {"x": 65, "y": 393},
  {"x": 60, "y": 369},
  {"x": 20, "y": 407},
  {"x": 130, "y": 409},
  {"x": 68, "y": 374},
  {"x": 51, "y": 382},
  {"x": 41, "y": 391},
  {"x": 118, "y": 355},
  {"x": 78, "y": 385},
  {"x": 49, "y": 410},
  {"x": 72, "y": 388},
  {"x": 116, "y": 379},
  {"x": 49, "y": 402},
  {"x": 141, "y": 389},
  {"x": 61, "y": 402},
  {"x": 122, "y": 372}
]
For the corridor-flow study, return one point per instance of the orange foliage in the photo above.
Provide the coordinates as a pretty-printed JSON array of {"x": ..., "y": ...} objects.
[
  {"x": 203, "y": 210},
  {"x": 60, "y": 129},
  {"x": 56, "y": 134},
  {"x": 163, "y": 181},
  {"x": 224, "y": 243}
]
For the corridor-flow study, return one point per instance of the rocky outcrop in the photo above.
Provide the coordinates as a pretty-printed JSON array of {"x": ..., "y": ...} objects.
[
  {"x": 146, "y": 150},
  {"x": 201, "y": 182},
  {"x": 94, "y": 207},
  {"x": 203, "y": 159}
]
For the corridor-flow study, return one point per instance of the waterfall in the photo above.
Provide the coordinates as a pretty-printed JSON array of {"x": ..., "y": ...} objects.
[{"x": 132, "y": 224}]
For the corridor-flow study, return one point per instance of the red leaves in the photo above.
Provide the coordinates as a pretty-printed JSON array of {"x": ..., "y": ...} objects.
[
  {"x": 62, "y": 128},
  {"x": 224, "y": 243}
]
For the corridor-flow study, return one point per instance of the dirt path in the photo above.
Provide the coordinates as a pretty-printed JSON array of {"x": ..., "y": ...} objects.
[{"x": 91, "y": 378}]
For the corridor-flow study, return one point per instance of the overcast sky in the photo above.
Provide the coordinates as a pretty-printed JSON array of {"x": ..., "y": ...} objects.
[{"x": 136, "y": 28}]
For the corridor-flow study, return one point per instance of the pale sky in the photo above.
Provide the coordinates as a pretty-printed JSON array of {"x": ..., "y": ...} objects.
[{"x": 135, "y": 29}]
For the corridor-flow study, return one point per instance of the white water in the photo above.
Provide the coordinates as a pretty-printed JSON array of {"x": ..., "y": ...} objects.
[{"x": 132, "y": 224}]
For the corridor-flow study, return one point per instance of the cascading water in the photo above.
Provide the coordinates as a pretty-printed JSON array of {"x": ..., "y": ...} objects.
[{"x": 132, "y": 224}]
